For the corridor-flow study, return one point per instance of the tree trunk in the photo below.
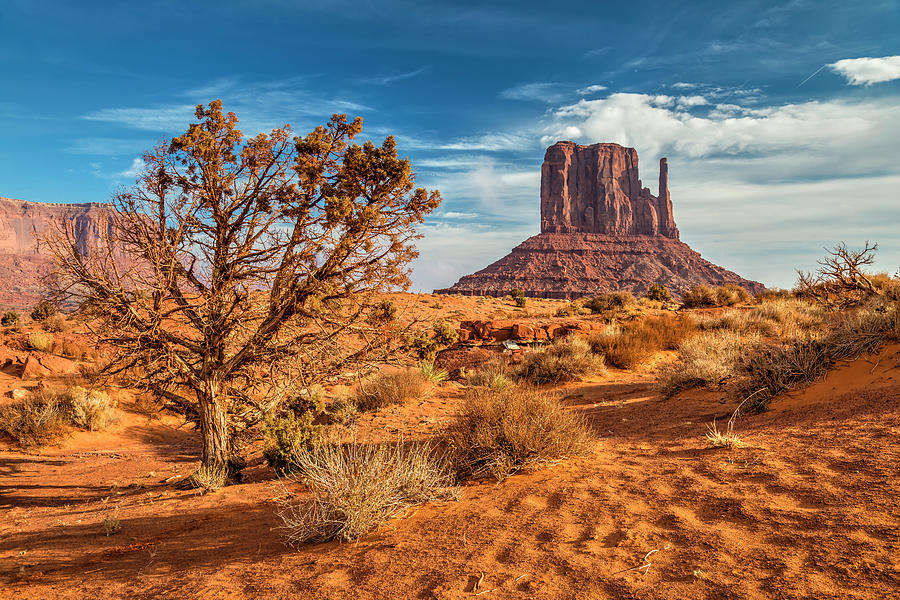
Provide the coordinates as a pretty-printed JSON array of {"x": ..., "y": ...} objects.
[{"x": 214, "y": 429}]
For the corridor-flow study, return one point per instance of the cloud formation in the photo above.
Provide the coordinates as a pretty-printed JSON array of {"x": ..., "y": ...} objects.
[
  {"x": 541, "y": 92},
  {"x": 866, "y": 71}
]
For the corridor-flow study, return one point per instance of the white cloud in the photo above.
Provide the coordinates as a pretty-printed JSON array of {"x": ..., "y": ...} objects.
[
  {"x": 866, "y": 71},
  {"x": 682, "y": 85},
  {"x": 489, "y": 142},
  {"x": 542, "y": 92},
  {"x": 388, "y": 79},
  {"x": 591, "y": 89}
]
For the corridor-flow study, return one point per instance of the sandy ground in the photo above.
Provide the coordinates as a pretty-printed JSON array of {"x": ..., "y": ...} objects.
[{"x": 808, "y": 509}]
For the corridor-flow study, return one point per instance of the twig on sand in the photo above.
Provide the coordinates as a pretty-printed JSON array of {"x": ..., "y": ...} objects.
[
  {"x": 521, "y": 576},
  {"x": 477, "y": 583},
  {"x": 646, "y": 564},
  {"x": 485, "y": 592}
]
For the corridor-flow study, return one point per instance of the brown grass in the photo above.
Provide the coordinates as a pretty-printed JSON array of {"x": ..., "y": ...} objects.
[
  {"x": 568, "y": 359},
  {"x": 385, "y": 390},
  {"x": 34, "y": 421},
  {"x": 708, "y": 359},
  {"x": 498, "y": 432},
  {"x": 629, "y": 346},
  {"x": 355, "y": 488}
]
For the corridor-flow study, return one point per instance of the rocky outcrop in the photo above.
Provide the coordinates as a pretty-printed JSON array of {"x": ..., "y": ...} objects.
[
  {"x": 23, "y": 261},
  {"x": 597, "y": 189},
  {"x": 601, "y": 231}
]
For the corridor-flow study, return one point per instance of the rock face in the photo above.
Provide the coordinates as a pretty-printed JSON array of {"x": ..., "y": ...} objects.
[
  {"x": 23, "y": 262},
  {"x": 601, "y": 231}
]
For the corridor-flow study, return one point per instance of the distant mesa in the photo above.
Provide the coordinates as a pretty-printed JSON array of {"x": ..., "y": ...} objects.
[
  {"x": 23, "y": 262},
  {"x": 601, "y": 231}
]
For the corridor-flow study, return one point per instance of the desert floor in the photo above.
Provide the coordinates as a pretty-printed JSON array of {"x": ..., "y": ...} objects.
[{"x": 808, "y": 509}]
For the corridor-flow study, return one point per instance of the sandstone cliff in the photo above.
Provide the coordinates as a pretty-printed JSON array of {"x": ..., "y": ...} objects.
[
  {"x": 601, "y": 231},
  {"x": 23, "y": 262}
]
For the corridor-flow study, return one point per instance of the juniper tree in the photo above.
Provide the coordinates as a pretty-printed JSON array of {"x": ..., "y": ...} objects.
[{"x": 232, "y": 264}]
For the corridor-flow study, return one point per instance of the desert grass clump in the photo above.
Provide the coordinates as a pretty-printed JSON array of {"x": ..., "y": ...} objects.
[
  {"x": 568, "y": 359},
  {"x": 632, "y": 344},
  {"x": 111, "y": 525},
  {"x": 432, "y": 373},
  {"x": 34, "y": 421},
  {"x": 92, "y": 410},
  {"x": 355, "y": 488},
  {"x": 723, "y": 439},
  {"x": 499, "y": 432},
  {"x": 707, "y": 359},
  {"x": 731, "y": 294},
  {"x": 385, "y": 390},
  {"x": 42, "y": 342},
  {"x": 493, "y": 374},
  {"x": 769, "y": 371},
  {"x": 208, "y": 478}
]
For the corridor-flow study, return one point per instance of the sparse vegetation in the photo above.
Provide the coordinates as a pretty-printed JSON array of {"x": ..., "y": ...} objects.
[
  {"x": 111, "y": 525},
  {"x": 426, "y": 345},
  {"x": 723, "y": 439},
  {"x": 783, "y": 318},
  {"x": 55, "y": 324},
  {"x": 385, "y": 390},
  {"x": 432, "y": 373},
  {"x": 498, "y": 432},
  {"x": 840, "y": 280},
  {"x": 287, "y": 436},
  {"x": 494, "y": 374},
  {"x": 611, "y": 302},
  {"x": 43, "y": 310},
  {"x": 209, "y": 478},
  {"x": 42, "y": 342},
  {"x": 10, "y": 318},
  {"x": 34, "y": 421},
  {"x": 703, "y": 296},
  {"x": 630, "y": 345},
  {"x": 707, "y": 359},
  {"x": 567, "y": 359},
  {"x": 384, "y": 312},
  {"x": 90, "y": 409},
  {"x": 659, "y": 293},
  {"x": 356, "y": 488}
]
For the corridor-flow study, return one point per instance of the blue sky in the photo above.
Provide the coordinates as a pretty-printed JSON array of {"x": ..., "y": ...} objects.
[{"x": 780, "y": 120}]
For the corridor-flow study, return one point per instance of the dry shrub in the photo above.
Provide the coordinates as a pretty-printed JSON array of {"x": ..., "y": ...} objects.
[
  {"x": 567, "y": 359},
  {"x": 111, "y": 525},
  {"x": 785, "y": 318},
  {"x": 707, "y": 359},
  {"x": 632, "y": 344},
  {"x": 355, "y": 488},
  {"x": 723, "y": 439},
  {"x": 731, "y": 294},
  {"x": 863, "y": 331},
  {"x": 42, "y": 342},
  {"x": 385, "y": 390},
  {"x": 769, "y": 371},
  {"x": 610, "y": 302},
  {"x": 55, "y": 324},
  {"x": 71, "y": 349},
  {"x": 699, "y": 296},
  {"x": 90, "y": 409},
  {"x": 34, "y": 421},
  {"x": 498, "y": 432}
]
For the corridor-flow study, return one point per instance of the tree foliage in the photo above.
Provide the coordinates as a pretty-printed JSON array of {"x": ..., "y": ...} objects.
[{"x": 235, "y": 271}]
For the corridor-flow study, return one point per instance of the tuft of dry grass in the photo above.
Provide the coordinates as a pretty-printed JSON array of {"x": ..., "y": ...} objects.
[
  {"x": 611, "y": 302},
  {"x": 42, "y": 342},
  {"x": 111, "y": 525},
  {"x": 494, "y": 374},
  {"x": 703, "y": 296},
  {"x": 568, "y": 359},
  {"x": 355, "y": 488},
  {"x": 863, "y": 331},
  {"x": 432, "y": 373},
  {"x": 707, "y": 359},
  {"x": 55, "y": 324},
  {"x": 784, "y": 318},
  {"x": 498, "y": 432},
  {"x": 769, "y": 371},
  {"x": 209, "y": 478},
  {"x": 723, "y": 439},
  {"x": 385, "y": 390}
]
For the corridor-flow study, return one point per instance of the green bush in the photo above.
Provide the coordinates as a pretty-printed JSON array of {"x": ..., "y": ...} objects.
[
  {"x": 287, "y": 436},
  {"x": 520, "y": 301},
  {"x": 659, "y": 293},
  {"x": 427, "y": 346},
  {"x": 43, "y": 310},
  {"x": 9, "y": 318}
]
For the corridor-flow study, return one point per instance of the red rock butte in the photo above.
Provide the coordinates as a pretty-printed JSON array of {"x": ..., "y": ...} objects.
[{"x": 601, "y": 231}]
